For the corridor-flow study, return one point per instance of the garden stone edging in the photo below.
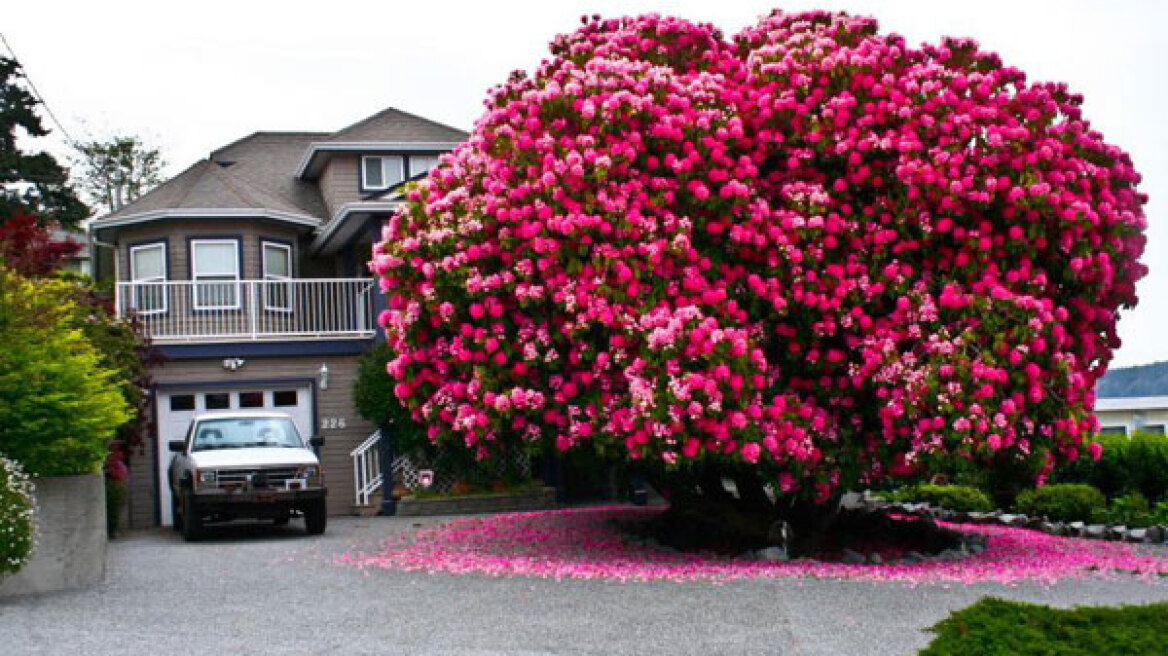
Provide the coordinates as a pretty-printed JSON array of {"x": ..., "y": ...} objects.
[
  {"x": 1114, "y": 532},
  {"x": 71, "y": 539},
  {"x": 538, "y": 499}
]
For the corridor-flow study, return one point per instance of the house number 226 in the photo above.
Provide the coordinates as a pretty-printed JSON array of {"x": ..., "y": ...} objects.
[{"x": 332, "y": 423}]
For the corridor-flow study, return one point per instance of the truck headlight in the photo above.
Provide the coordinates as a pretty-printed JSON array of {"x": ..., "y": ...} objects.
[
  {"x": 311, "y": 471},
  {"x": 207, "y": 476}
]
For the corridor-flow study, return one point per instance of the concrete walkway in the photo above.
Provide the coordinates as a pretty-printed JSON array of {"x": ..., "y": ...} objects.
[{"x": 261, "y": 590}]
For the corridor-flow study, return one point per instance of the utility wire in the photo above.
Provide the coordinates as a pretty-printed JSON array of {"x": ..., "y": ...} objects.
[{"x": 37, "y": 94}]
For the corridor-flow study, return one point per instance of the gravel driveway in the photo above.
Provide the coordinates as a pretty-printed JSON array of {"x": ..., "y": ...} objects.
[{"x": 257, "y": 589}]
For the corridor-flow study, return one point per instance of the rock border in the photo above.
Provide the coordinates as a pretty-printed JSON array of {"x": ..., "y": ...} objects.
[{"x": 1114, "y": 532}]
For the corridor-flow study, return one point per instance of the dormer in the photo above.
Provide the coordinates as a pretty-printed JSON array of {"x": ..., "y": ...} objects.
[{"x": 359, "y": 169}]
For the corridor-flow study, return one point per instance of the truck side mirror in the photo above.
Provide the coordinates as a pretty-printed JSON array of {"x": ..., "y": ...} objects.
[
  {"x": 316, "y": 441},
  {"x": 178, "y": 446}
]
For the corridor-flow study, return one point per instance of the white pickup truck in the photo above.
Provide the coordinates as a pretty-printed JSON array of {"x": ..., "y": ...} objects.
[{"x": 245, "y": 465}]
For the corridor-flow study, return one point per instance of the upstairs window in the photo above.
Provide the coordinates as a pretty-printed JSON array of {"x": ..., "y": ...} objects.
[
  {"x": 381, "y": 172},
  {"x": 277, "y": 277},
  {"x": 215, "y": 272},
  {"x": 148, "y": 272},
  {"x": 420, "y": 164}
]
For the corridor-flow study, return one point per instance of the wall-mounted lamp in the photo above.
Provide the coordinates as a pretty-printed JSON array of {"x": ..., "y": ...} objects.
[
  {"x": 324, "y": 376},
  {"x": 231, "y": 364}
]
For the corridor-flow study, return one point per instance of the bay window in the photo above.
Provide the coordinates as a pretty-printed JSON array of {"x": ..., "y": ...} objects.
[
  {"x": 148, "y": 272},
  {"x": 277, "y": 265},
  {"x": 215, "y": 272}
]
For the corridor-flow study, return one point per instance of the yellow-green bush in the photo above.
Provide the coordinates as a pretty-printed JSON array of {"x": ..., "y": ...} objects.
[{"x": 59, "y": 407}]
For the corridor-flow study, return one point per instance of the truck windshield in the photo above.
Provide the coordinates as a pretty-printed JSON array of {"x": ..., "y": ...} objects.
[{"x": 250, "y": 432}]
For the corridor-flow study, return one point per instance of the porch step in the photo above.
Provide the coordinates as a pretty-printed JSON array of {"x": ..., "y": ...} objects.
[{"x": 371, "y": 509}]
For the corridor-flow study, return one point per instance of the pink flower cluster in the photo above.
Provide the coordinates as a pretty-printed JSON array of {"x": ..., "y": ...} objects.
[
  {"x": 584, "y": 544},
  {"x": 811, "y": 248}
]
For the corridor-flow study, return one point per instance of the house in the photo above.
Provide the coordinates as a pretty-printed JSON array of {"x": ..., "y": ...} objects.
[
  {"x": 79, "y": 262},
  {"x": 248, "y": 271},
  {"x": 1133, "y": 398}
]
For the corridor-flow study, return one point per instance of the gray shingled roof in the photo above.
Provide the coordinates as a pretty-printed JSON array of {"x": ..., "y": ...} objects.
[
  {"x": 207, "y": 185},
  {"x": 268, "y": 160},
  {"x": 259, "y": 170},
  {"x": 1144, "y": 380},
  {"x": 395, "y": 125}
]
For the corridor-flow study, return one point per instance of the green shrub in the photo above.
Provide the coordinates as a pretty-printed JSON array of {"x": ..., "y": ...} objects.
[
  {"x": 59, "y": 408},
  {"x": 17, "y": 509},
  {"x": 374, "y": 399},
  {"x": 1066, "y": 502},
  {"x": 996, "y": 626},
  {"x": 1129, "y": 464},
  {"x": 1133, "y": 510},
  {"x": 952, "y": 497}
]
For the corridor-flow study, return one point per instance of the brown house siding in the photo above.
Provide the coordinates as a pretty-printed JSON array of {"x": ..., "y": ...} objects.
[
  {"x": 178, "y": 234},
  {"x": 335, "y": 402},
  {"x": 339, "y": 183}
]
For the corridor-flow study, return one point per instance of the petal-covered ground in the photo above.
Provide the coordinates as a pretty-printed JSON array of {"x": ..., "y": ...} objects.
[{"x": 584, "y": 543}]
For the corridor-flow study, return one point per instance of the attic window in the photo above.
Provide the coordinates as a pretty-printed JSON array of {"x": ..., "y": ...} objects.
[
  {"x": 383, "y": 172},
  {"x": 420, "y": 164}
]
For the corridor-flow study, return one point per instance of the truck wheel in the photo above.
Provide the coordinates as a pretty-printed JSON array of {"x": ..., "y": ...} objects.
[
  {"x": 315, "y": 517},
  {"x": 192, "y": 528},
  {"x": 176, "y": 517}
]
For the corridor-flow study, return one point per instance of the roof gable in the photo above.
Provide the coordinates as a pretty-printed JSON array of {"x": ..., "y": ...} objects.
[
  {"x": 1128, "y": 382},
  {"x": 394, "y": 125}
]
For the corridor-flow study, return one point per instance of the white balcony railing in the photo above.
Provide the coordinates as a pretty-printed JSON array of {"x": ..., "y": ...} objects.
[{"x": 182, "y": 311}]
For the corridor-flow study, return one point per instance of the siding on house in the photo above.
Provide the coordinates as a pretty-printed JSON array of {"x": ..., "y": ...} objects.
[
  {"x": 339, "y": 183},
  {"x": 179, "y": 233},
  {"x": 334, "y": 402}
]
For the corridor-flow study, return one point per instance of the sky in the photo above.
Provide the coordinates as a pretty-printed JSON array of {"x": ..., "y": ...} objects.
[{"x": 190, "y": 77}]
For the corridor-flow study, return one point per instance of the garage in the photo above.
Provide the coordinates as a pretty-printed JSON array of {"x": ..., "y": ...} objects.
[{"x": 178, "y": 405}]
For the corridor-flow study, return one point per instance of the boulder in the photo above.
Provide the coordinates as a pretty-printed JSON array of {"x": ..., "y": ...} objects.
[
  {"x": 1156, "y": 534},
  {"x": 913, "y": 558},
  {"x": 1118, "y": 532},
  {"x": 854, "y": 557},
  {"x": 772, "y": 553},
  {"x": 876, "y": 559},
  {"x": 1076, "y": 529},
  {"x": 1137, "y": 535},
  {"x": 1095, "y": 531}
]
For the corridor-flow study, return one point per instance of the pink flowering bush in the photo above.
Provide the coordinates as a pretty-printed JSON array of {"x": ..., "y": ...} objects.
[
  {"x": 584, "y": 543},
  {"x": 810, "y": 251}
]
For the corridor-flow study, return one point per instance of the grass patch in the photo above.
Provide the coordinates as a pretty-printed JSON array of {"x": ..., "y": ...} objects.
[{"x": 996, "y": 626}]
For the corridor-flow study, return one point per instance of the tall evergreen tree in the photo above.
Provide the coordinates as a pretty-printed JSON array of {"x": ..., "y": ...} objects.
[{"x": 30, "y": 183}]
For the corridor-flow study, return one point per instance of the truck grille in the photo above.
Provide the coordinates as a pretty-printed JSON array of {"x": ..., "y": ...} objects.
[{"x": 256, "y": 478}]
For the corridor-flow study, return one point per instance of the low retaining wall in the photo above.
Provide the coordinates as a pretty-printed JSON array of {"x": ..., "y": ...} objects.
[
  {"x": 538, "y": 499},
  {"x": 70, "y": 539}
]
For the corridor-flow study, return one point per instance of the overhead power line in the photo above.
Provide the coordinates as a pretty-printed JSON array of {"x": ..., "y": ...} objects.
[{"x": 37, "y": 94}]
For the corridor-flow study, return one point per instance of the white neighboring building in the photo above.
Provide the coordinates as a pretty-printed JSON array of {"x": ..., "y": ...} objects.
[{"x": 1133, "y": 398}]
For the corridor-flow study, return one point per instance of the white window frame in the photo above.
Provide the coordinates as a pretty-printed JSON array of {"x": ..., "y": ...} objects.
[
  {"x": 196, "y": 276},
  {"x": 386, "y": 184},
  {"x": 272, "y": 279},
  {"x": 434, "y": 158},
  {"x": 153, "y": 282}
]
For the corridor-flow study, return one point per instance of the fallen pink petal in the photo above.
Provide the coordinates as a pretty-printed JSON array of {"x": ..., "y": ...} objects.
[{"x": 585, "y": 543}]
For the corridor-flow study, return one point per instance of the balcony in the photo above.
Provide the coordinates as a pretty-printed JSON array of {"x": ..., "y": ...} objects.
[{"x": 185, "y": 312}]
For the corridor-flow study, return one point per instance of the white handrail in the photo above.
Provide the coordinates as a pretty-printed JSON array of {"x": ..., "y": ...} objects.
[
  {"x": 178, "y": 311},
  {"x": 367, "y": 468}
]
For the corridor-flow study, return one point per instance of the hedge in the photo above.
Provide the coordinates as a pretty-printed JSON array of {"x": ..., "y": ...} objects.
[{"x": 1066, "y": 502}]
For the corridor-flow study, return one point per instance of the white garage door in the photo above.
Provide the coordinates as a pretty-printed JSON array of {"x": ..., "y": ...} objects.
[{"x": 176, "y": 408}]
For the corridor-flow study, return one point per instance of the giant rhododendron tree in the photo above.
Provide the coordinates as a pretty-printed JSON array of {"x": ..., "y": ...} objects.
[{"x": 810, "y": 257}]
